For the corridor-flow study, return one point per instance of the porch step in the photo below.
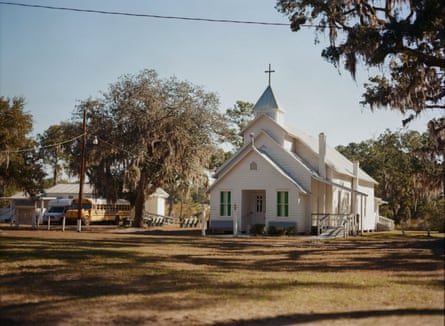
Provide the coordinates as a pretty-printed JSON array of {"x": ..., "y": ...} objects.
[{"x": 333, "y": 233}]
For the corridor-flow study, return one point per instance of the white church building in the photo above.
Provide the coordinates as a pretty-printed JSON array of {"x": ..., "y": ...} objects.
[{"x": 284, "y": 178}]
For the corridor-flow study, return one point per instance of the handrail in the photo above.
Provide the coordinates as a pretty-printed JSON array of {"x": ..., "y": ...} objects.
[
  {"x": 326, "y": 220},
  {"x": 323, "y": 224}
]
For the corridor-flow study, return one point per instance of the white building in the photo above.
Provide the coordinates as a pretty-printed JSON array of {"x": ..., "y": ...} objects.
[
  {"x": 156, "y": 202},
  {"x": 285, "y": 178},
  {"x": 69, "y": 191}
]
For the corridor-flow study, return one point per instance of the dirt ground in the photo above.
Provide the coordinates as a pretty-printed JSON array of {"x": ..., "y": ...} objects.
[{"x": 109, "y": 275}]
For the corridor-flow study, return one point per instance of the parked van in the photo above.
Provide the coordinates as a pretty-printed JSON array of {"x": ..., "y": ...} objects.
[{"x": 56, "y": 210}]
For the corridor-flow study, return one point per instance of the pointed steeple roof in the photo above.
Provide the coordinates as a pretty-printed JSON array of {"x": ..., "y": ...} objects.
[
  {"x": 268, "y": 104},
  {"x": 267, "y": 101}
]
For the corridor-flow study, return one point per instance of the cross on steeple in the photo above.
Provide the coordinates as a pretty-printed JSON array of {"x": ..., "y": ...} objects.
[{"x": 270, "y": 71}]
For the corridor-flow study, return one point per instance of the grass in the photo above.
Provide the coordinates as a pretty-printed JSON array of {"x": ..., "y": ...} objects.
[{"x": 112, "y": 276}]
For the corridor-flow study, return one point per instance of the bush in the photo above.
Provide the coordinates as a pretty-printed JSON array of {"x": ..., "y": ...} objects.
[
  {"x": 290, "y": 230},
  {"x": 273, "y": 230},
  {"x": 258, "y": 229}
]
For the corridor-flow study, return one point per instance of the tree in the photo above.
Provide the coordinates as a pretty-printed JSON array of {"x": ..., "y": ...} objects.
[
  {"x": 436, "y": 128},
  {"x": 218, "y": 157},
  {"x": 237, "y": 119},
  {"x": 19, "y": 161},
  {"x": 52, "y": 150},
  {"x": 152, "y": 132},
  {"x": 408, "y": 176},
  {"x": 404, "y": 40}
]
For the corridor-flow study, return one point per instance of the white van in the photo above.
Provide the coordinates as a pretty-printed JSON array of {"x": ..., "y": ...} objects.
[{"x": 56, "y": 210}]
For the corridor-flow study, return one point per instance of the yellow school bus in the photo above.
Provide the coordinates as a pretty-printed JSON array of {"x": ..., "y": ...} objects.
[{"x": 98, "y": 210}]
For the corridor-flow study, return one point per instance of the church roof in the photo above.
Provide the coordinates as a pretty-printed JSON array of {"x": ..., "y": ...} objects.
[
  {"x": 282, "y": 171},
  {"x": 243, "y": 152},
  {"x": 334, "y": 159},
  {"x": 267, "y": 101}
]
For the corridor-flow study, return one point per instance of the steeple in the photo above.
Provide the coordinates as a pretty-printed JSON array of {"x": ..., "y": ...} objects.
[{"x": 268, "y": 104}]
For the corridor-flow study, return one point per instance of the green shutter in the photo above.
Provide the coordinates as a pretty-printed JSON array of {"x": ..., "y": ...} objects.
[
  {"x": 286, "y": 204},
  {"x": 229, "y": 204},
  {"x": 278, "y": 203},
  {"x": 225, "y": 202},
  {"x": 221, "y": 203}
]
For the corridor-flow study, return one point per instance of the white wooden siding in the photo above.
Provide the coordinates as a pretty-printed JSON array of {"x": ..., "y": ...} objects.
[
  {"x": 243, "y": 178},
  {"x": 367, "y": 207},
  {"x": 285, "y": 160},
  {"x": 365, "y": 203},
  {"x": 265, "y": 124}
]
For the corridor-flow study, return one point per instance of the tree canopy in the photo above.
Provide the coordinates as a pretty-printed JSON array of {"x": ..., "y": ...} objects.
[
  {"x": 409, "y": 178},
  {"x": 403, "y": 39},
  {"x": 237, "y": 119},
  {"x": 20, "y": 169},
  {"x": 151, "y": 132},
  {"x": 52, "y": 149}
]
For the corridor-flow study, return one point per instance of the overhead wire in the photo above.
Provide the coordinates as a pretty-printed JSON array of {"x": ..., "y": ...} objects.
[
  {"x": 121, "y": 13},
  {"x": 130, "y": 14},
  {"x": 24, "y": 150}
]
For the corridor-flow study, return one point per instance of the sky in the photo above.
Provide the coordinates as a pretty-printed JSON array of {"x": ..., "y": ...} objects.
[{"x": 55, "y": 59}]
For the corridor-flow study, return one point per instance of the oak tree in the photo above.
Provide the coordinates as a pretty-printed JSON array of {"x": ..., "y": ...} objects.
[
  {"x": 152, "y": 132},
  {"x": 403, "y": 41},
  {"x": 408, "y": 176},
  {"x": 20, "y": 168}
]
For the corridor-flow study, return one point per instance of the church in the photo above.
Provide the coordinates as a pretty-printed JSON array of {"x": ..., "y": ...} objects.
[{"x": 285, "y": 179}]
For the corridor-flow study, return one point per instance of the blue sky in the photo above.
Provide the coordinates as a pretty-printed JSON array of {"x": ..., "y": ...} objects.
[{"x": 55, "y": 59}]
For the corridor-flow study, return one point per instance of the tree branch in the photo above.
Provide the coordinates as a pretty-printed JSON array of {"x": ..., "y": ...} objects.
[{"x": 428, "y": 60}]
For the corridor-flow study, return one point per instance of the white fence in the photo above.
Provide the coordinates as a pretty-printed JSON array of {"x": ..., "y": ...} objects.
[{"x": 385, "y": 224}]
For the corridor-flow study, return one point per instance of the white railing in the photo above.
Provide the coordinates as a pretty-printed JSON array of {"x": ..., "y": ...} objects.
[
  {"x": 385, "y": 224},
  {"x": 156, "y": 219},
  {"x": 323, "y": 222}
]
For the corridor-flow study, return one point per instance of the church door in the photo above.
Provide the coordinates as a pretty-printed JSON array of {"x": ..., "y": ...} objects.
[
  {"x": 259, "y": 200},
  {"x": 254, "y": 209}
]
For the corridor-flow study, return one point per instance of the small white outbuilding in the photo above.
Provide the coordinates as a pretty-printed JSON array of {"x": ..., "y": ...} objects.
[{"x": 156, "y": 202}]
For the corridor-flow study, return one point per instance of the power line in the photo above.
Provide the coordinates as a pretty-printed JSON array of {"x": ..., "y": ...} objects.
[
  {"x": 24, "y": 150},
  {"x": 121, "y": 13},
  {"x": 146, "y": 157},
  {"x": 117, "y": 147}
]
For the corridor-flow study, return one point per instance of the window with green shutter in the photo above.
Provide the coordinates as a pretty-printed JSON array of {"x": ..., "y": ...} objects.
[
  {"x": 225, "y": 206},
  {"x": 282, "y": 204}
]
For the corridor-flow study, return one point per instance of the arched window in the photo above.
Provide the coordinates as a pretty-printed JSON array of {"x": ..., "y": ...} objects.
[{"x": 253, "y": 166}]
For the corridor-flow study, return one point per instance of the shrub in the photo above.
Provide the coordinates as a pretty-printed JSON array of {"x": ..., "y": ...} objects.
[
  {"x": 290, "y": 230},
  {"x": 273, "y": 230},
  {"x": 258, "y": 229}
]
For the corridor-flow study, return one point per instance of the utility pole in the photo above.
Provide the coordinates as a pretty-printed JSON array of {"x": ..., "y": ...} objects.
[{"x": 82, "y": 171}]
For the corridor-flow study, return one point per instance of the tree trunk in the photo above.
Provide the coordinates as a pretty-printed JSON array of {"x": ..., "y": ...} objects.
[
  {"x": 170, "y": 205},
  {"x": 443, "y": 174},
  {"x": 171, "y": 200},
  {"x": 55, "y": 175},
  {"x": 139, "y": 206}
]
